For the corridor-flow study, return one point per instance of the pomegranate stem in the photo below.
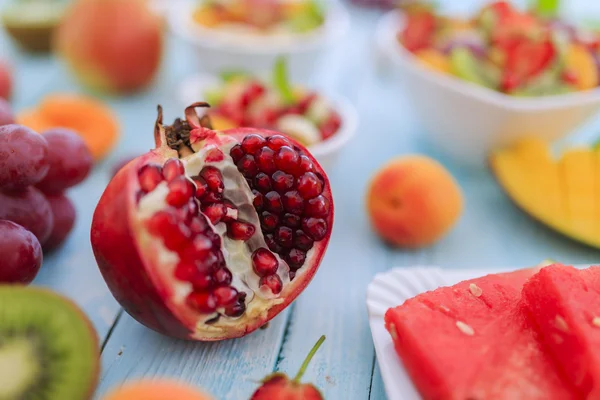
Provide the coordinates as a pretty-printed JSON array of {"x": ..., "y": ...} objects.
[{"x": 308, "y": 359}]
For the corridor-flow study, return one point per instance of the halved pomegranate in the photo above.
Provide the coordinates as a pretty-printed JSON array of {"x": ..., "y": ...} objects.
[{"x": 212, "y": 234}]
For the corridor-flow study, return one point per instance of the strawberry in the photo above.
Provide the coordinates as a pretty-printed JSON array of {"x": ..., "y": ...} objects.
[
  {"x": 419, "y": 30},
  {"x": 526, "y": 59},
  {"x": 278, "y": 386}
]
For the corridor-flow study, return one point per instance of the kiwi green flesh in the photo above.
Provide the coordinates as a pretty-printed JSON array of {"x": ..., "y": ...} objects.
[
  {"x": 48, "y": 349},
  {"x": 466, "y": 66}
]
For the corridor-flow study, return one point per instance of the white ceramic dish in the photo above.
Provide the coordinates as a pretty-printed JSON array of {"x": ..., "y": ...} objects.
[
  {"x": 467, "y": 120},
  {"x": 392, "y": 288},
  {"x": 325, "y": 152},
  {"x": 218, "y": 50}
]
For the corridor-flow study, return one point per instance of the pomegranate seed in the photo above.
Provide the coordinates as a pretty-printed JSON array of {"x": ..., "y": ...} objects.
[
  {"x": 264, "y": 160},
  {"x": 273, "y": 202},
  {"x": 149, "y": 176},
  {"x": 189, "y": 211},
  {"x": 198, "y": 224},
  {"x": 213, "y": 179},
  {"x": 202, "y": 281},
  {"x": 284, "y": 236},
  {"x": 259, "y": 200},
  {"x": 231, "y": 212},
  {"x": 225, "y": 295},
  {"x": 198, "y": 249},
  {"x": 236, "y": 153},
  {"x": 214, "y": 156},
  {"x": 252, "y": 143},
  {"x": 222, "y": 276},
  {"x": 235, "y": 310},
  {"x": 309, "y": 185},
  {"x": 272, "y": 244},
  {"x": 240, "y": 230},
  {"x": 276, "y": 142},
  {"x": 291, "y": 220},
  {"x": 138, "y": 196},
  {"x": 287, "y": 159},
  {"x": 282, "y": 181},
  {"x": 292, "y": 275},
  {"x": 167, "y": 225},
  {"x": 181, "y": 190},
  {"x": 264, "y": 262},
  {"x": 273, "y": 282},
  {"x": 305, "y": 164},
  {"x": 215, "y": 212},
  {"x": 317, "y": 207},
  {"x": 247, "y": 166},
  {"x": 201, "y": 186},
  {"x": 296, "y": 259},
  {"x": 262, "y": 182},
  {"x": 316, "y": 228},
  {"x": 293, "y": 202},
  {"x": 268, "y": 221},
  {"x": 185, "y": 271},
  {"x": 211, "y": 197},
  {"x": 216, "y": 241},
  {"x": 202, "y": 302},
  {"x": 172, "y": 169},
  {"x": 302, "y": 240},
  {"x": 209, "y": 262}
]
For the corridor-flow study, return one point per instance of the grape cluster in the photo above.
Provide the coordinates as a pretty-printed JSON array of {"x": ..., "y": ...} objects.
[{"x": 35, "y": 214}]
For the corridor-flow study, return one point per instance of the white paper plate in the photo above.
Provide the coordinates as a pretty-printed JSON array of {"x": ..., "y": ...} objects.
[{"x": 391, "y": 289}]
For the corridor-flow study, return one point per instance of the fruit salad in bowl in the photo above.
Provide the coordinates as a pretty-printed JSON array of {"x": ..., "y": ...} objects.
[
  {"x": 506, "y": 74},
  {"x": 259, "y": 17},
  {"x": 321, "y": 123},
  {"x": 226, "y": 34},
  {"x": 503, "y": 48}
]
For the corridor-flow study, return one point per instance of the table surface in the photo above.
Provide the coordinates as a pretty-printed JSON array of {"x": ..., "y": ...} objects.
[{"x": 490, "y": 233}]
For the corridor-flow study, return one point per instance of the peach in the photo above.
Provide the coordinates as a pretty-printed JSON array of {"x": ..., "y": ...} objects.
[
  {"x": 112, "y": 45},
  {"x": 413, "y": 201},
  {"x": 156, "y": 390},
  {"x": 5, "y": 81}
]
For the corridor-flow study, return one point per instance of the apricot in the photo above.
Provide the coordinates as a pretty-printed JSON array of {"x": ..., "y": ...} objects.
[
  {"x": 112, "y": 45},
  {"x": 413, "y": 201},
  {"x": 434, "y": 60},
  {"x": 580, "y": 61},
  {"x": 156, "y": 390},
  {"x": 91, "y": 119}
]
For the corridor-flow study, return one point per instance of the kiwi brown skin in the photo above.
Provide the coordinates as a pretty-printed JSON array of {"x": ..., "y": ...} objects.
[{"x": 74, "y": 309}]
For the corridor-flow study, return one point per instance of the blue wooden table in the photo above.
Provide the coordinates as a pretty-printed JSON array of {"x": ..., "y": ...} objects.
[{"x": 491, "y": 233}]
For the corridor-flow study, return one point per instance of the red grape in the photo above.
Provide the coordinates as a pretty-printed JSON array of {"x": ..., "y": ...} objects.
[
  {"x": 69, "y": 158},
  {"x": 64, "y": 219},
  {"x": 6, "y": 114},
  {"x": 23, "y": 157},
  {"x": 30, "y": 209},
  {"x": 20, "y": 252}
]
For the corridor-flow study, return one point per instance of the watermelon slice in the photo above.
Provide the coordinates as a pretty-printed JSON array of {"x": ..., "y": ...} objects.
[
  {"x": 565, "y": 304},
  {"x": 474, "y": 340}
]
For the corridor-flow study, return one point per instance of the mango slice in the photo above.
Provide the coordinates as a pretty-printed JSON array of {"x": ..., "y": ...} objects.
[{"x": 562, "y": 193}]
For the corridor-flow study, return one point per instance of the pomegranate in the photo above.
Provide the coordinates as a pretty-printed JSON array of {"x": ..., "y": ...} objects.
[{"x": 196, "y": 239}]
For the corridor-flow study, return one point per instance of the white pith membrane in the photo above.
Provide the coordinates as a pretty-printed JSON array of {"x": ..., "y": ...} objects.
[{"x": 237, "y": 253}]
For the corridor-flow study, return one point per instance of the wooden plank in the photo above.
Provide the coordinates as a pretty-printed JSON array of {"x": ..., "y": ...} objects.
[{"x": 228, "y": 369}]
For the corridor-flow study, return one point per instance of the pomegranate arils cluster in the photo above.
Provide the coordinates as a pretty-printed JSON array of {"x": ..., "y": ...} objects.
[{"x": 287, "y": 195}]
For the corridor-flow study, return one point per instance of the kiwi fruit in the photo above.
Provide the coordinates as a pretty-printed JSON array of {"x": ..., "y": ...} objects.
[
  {"x": 466, "y": 66},
  {"x": 48, "y": 348},
  {"x": 31, "y": 23}
]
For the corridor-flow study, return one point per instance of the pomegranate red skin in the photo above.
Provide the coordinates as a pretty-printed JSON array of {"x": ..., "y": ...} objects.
[{"x": 118, "y": 254}]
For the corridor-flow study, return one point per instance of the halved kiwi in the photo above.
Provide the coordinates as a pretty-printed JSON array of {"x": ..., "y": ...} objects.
[
  {"x": 31, "y": 23},
  {"x": 48, "y": 347}
]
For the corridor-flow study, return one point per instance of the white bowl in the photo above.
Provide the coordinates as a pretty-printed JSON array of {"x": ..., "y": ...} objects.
[
  {"x": 467, "y": 120},
  {"x": 217, "y": 50},
  {"x": 326, "y": 152}
]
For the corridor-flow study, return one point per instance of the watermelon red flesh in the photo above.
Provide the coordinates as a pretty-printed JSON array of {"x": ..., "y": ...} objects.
[
  {"x": 501, "y": 359},
  {"x": 564, "y": 303}
]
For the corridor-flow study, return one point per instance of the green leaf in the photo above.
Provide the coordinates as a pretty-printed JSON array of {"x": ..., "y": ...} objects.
[
  {"x": 547, "y": 8},
  {"x": 281, "y": 81}
]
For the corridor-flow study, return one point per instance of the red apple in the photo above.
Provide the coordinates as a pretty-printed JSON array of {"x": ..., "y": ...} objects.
[
  {"x": 5, "y": 81},
  {"x": 112, "y": 45}
]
